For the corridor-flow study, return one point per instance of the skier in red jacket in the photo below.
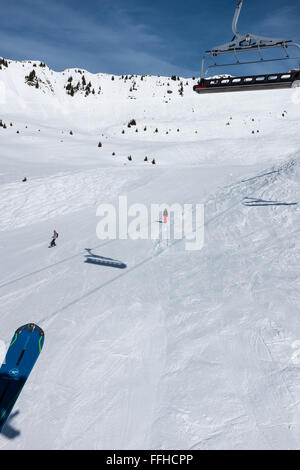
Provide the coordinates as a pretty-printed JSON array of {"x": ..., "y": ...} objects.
[{"x": 166, "y": 215}]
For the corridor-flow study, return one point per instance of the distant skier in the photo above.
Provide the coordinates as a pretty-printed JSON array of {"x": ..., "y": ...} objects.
[
  {"x": 54, "y": 238},
  {"x": 166, "y": 215}
]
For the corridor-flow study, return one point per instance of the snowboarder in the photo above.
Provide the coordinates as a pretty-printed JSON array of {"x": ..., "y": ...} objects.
[
  {"x": 166, "y": 215},
  {"x": 54, "y": 238}
]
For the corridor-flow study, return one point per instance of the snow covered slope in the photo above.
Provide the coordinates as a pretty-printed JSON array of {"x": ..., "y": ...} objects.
[{"x": 151, "y": 348}]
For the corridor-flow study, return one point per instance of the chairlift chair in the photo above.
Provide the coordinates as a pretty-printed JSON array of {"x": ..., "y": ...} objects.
[{"x": 245, "y": 43}]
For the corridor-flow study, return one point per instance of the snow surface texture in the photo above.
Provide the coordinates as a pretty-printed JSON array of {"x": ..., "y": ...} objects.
[{"x": 151, "y": 348}]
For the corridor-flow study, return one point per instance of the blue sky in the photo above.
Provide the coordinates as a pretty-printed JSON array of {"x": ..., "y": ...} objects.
[{"x": 135, "y": 36}]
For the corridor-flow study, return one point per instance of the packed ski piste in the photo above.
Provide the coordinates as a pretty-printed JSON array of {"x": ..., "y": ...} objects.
[{"x": 149, "y": 234}]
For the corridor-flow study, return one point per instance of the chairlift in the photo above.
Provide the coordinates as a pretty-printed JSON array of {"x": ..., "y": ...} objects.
[{"x": 245, "y": 43}]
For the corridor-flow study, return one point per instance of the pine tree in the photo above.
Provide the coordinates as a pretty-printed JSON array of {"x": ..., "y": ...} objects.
[{"x": 31, "y": 77}]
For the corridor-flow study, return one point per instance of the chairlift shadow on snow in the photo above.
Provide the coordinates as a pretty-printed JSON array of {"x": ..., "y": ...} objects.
[
  {"x": 91, "y": 258},
  {"x": 253, "y": 202},
  {"x": 8, "y": 430}
]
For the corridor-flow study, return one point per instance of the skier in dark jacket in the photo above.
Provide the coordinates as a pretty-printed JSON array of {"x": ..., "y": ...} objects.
[{"x": 54, "y": 238}]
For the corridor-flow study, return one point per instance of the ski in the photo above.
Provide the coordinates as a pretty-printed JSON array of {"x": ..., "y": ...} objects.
[{"x": 20, "y": 359}]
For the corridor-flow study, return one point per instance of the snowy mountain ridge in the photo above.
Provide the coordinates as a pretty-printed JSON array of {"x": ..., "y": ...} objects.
[{"x": 78, "y": 83}]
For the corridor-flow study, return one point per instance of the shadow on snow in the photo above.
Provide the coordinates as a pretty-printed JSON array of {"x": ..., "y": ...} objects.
[
  {"x": 253, "y": 202},
  {"x": 10, "y": 389},
  {"x": 91, "y": 258},
  {"x": 8, "y": 430}
]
